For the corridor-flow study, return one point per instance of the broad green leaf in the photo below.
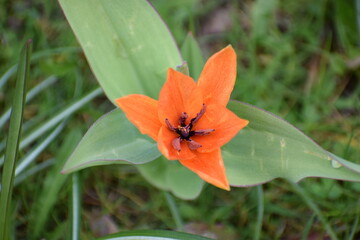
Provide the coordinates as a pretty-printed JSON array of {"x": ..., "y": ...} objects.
[
  {"x": 13, "y": 140},
  {"x": 270, "y": 147},
  {"x": 155, "y": 172},
  {"x": 126, "y": 44},
  {"x": 112, "y": 139},
  {"x": 191, "y": 52},
  {"x": 182, "y": 182},
  {"x": 172, "y": 176},
  {"x": 153, "y": 235}
]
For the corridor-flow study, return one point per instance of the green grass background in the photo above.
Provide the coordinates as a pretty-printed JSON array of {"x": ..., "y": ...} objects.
[{"x": 297, "y": 59}]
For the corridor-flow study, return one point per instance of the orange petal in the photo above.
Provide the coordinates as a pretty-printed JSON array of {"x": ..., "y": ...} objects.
[
  {"x": 218, "y": 77},
  {"x": 226, "y": 125},
  {"x": 142, "y": 111},
  {"x": 210, "y": 167},
  {"x": 179, "y": 94},
  {"x": 165, "y": 146}
]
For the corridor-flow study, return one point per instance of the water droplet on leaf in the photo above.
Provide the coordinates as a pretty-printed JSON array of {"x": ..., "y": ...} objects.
[{"x": 335, "y": 164}]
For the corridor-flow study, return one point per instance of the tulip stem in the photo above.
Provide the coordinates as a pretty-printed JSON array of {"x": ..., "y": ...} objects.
[
  {"x": 76, "y": 206},
  {"x": 260, "y": 212}
]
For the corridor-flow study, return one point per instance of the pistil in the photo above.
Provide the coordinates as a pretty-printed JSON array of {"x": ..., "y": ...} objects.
[{"x": 185, "y": 131}]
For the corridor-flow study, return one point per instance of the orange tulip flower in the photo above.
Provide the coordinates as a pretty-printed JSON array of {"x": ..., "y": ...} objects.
[{"x": 190, "y": 121}]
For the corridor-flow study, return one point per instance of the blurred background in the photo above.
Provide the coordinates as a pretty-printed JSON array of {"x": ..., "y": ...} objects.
[{"x": 297, "y": 59}]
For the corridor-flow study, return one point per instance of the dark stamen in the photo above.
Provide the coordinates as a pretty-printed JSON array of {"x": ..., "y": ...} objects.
[
  {"x": 202, "y": 132},
  {"x": 170, "y": 126},
  {"x": 198, "y": 116}
]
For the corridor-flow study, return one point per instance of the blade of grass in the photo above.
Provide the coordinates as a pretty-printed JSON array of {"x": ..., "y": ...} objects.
[
  {"x": 52, "y": 186},
  {"x": 152, "y": 235},
  {"x": 30, "y": 95},
  {"x": 306, "y": 231},
  {"x": 174, "y": 211},
  {"x": 56, "y": 119},
  {"x": 260, "y": 212},
  {"x": 311, "y": 204},
  {"x": 12, "y": 144},
  {"x": 76, "y": 206},
  {"x": 30, "y": 157},
  {"x": 354, "y": 228},
  {"x": 36, "y": 56},
  {"x": 37, "y": 168},
  {"x": 60, "y": 116},
  {"x": 358, "y": 15}
]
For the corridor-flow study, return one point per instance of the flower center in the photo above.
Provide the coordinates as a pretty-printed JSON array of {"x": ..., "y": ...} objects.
[{"x": 185, "y": 132}]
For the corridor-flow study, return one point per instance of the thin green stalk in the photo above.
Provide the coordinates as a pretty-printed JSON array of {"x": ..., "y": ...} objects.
[
  {"x": 311, "y": 204},
  {"x": 76, "y": 206},
  {"x": 13, "y": 140},
  {"x": 260, "y": 213},
  {"x": 174, "y": 211}
]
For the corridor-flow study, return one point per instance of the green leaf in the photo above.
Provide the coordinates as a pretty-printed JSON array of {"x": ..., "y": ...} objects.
[
  {"x": 12, "y": 144},
  {"x": 191, "y": 52},
  {"x": 155, "y": 172},
  {"x": 172, "y": 176},
  {"x": 269, "y": 147},
  {"x": 182, "y": 182},
  {"x": 153, "y": 235},
  {"x": 112, "y": 139},
  {"x": 126, "y": 43}
]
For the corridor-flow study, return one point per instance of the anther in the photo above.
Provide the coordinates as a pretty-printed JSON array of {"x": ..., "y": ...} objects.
[
  {"x": 183, "y": 118},
  {"x": 193, "y": 145},
  {"x": 176, "y": 144},
  {"x": 202, "y": 132}
]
